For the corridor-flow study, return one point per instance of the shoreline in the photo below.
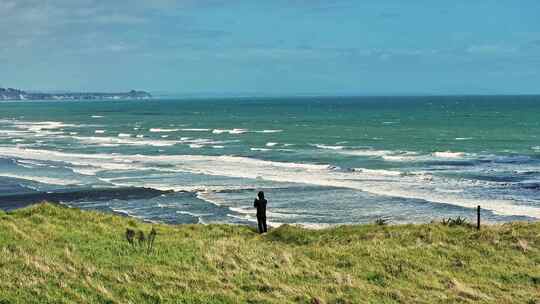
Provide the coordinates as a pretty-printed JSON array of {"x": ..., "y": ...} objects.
[{"x": 382, "y": 221}]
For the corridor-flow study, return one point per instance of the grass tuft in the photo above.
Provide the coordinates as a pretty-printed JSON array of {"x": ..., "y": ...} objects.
[
  {"x": 382, "y": 221},
  {"x": 458, "y": 221}
]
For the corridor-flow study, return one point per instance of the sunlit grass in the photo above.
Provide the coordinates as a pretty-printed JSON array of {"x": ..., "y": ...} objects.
[{"x": 54, "y": 254}]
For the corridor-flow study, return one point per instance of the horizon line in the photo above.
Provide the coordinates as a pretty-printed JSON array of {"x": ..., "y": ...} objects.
[{"x": 171, "y": 94}]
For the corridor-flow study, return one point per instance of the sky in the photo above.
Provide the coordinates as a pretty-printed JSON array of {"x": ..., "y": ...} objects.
[{"x": 277, "y": 47}]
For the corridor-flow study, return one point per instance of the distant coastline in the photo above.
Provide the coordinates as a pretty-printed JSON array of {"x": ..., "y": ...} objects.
[{"x": 17, "y": 94}]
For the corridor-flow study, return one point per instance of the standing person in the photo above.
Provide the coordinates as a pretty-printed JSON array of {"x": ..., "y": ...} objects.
[{"x": 260, "y": 204}]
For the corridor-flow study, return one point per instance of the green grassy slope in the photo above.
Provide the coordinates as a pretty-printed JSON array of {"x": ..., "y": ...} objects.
[{"x": 54, "y": 254}]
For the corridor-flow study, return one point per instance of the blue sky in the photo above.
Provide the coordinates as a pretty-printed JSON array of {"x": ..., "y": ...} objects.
[{"x": 273, "y": 47}]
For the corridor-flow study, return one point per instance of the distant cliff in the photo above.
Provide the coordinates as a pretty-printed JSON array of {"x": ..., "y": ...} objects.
[{"x": 16, "y": 94}]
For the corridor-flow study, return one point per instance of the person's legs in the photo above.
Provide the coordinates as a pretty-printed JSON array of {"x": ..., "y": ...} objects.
[
  {"x": 260, "y": 224},
  {"x": 264, "y": 224}
]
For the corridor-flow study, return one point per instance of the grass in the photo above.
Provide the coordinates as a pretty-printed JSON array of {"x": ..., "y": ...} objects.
[{"x": 53, "y": 254}]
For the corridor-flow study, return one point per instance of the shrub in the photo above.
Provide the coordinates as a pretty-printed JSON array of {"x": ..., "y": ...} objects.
[
  {"x": 458, "y": 221},
  {"x": 382, "y": 221}
]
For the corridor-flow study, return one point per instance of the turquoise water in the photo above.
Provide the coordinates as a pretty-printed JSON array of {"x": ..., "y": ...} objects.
[{"x": 320, "y": 160}]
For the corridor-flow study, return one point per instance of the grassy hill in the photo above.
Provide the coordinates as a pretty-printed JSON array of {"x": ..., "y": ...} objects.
[{"x": 54, "y": 254}]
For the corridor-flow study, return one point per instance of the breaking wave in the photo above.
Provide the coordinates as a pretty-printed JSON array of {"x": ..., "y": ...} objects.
[{"x": 414, "y": 184}]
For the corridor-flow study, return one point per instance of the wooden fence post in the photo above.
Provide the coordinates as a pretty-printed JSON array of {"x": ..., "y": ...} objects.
[{"x": 478, "y": 218}]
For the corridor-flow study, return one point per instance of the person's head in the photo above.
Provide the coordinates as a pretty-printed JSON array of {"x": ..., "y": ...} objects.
[{"x": 260, "y": 195}]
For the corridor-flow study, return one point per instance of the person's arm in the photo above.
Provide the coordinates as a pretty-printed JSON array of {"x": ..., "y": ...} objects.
[{"x": 255, "y": 204}]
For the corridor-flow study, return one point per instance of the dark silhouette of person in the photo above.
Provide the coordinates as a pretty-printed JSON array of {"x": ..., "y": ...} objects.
[{"x": 260, "y": 204}]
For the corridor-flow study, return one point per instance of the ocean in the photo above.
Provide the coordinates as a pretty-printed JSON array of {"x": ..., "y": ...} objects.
[{"x": 321, "y": 161}]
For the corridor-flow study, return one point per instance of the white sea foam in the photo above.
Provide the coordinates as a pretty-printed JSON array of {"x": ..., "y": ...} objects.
[
  {"x": 123, "y": 211},
  {"x": 271, "y": 144},
  {"x": 22, "y": 164},
  {"x": 115, "y": 141},
  {"x": 42, "y": 125},
  {"x": 91, "y": 171},
  {"x": 321, "y": 146},
  {"x": 192, "y": 213},
  {"x": 464, "y": 138},
  {"x": 97, "y": 116},
  {"x": 269, "y": 131},
  {"x": 201, "y": 141},
  {"x": 245, "y": 218},
  {"x": 120, "y": 182},
  {"x": 237, "y": 131},
  {"x": 247, "y": 214},
  {"x": 204, "y": 195},
  {"x": 164, "y": 136},
  {"x": 399, "y": 158},
  {"x": 195, "y": 146},
  {"x": 30, "y": 163},
  {"x": 56, "y": 134},
  {"x": 140, "y": 136},
  {"x": 252, "y": 219},
  {"x": 415, "y": 157},
  {"x": 443, "y": 190},
  {"x": 379, "y": 172},
  {"x": 33, "y": 130},
  {"x": 195, "y": 130},
  {"x": 12, "y": 133},
  {"x": 230, "y": 131},
  {"x": 367, "y": 152},
  {"x": 418, "y": 185},
  {"x": 260, "y": 149},
  {"x": 99, "y": 131},
  {"x": 124, "y": 135},
  {"x": 242, "y": 210},
  {"x": 449, "y": 154},
  {"x": 281, "y": 215},
  {"x": 158, "y": 130},
  {"x": 218, "y": 147}
]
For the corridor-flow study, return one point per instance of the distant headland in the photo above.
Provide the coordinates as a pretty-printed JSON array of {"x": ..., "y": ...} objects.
[{"x": 16, "y": 94}]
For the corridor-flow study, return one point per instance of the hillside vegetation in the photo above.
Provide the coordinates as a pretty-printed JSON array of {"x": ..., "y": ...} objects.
[{"x": 53, "y": 254}]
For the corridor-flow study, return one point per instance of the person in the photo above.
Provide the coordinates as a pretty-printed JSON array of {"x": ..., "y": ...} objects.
[{"x": 260, "y": 204}]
